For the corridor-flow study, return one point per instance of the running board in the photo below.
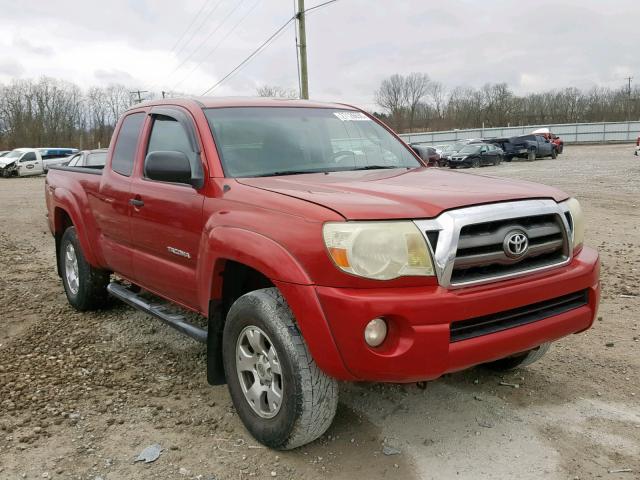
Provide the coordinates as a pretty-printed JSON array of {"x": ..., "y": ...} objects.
[{"x": 174, "y": 320}]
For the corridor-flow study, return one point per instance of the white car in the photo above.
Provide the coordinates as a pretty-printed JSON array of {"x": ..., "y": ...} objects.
[{"x": 21, "y": 162}]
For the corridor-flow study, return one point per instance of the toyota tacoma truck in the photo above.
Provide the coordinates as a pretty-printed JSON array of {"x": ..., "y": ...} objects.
[{"x": 317, "y": 247}]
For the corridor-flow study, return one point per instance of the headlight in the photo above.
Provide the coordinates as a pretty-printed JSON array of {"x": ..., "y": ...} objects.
[
  {"x": 378, "y": 250},
  {"x": 577, "y": 222}
]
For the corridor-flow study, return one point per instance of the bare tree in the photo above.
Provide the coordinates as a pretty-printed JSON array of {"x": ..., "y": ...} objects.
[
  {"x": 414, "y": 89},
  {"x": 391, "y": 96}
]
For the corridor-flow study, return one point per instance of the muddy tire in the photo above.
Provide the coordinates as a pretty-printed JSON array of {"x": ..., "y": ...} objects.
[
  {"x": 280, "y": 394},
  {"x": 519, "y": 360},
  {"x": 531, "y": 155},
  {"x": 85, "y": 286},
  {"x": 554, "y": 153}
]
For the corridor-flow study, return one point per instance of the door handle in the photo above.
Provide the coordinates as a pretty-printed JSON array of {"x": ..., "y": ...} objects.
[{"x": 136, "y": 202}]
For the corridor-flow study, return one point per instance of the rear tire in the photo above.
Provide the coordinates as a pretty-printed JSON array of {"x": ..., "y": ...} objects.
[
  {"x": 554, "y": 154},
  {"x": 508, "y": 158},
  {"x": 261, "y": 331},
  {"x": 85, "y": 286},
  {"x": 519, "y": 360}
]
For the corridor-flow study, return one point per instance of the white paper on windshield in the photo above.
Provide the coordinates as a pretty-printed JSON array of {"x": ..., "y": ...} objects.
[{"x": 352, "y": 116}]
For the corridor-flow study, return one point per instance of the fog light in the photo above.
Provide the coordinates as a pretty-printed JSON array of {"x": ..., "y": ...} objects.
[{"x": 375, "y": 332}]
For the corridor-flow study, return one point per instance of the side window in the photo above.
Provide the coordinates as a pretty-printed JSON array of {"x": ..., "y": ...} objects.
[
  {"x": 29, "y": 157},
  {"x": 124, "y": 151},
  {"x": 169, "y": 136},
  {"x": 74, "y": 161}
]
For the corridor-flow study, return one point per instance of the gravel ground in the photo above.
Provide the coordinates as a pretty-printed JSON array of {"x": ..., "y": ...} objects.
[{"x": 81, "y": 395}]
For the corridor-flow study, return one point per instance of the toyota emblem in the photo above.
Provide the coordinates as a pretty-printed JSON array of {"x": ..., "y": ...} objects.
[{"x": 515, "y": 244}]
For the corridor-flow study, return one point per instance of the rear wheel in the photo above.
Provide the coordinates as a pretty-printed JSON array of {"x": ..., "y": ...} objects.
[
  {"x": 519, "y": 360},
  {"x": 85, "y": 286},
  {"x": 280, "y": 394},
  {"x": 554, "y": 154},
  {"x": 508, "y": 158}
]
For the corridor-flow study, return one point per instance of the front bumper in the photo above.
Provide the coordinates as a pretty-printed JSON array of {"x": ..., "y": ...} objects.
[{"x": 418, "y": 346}]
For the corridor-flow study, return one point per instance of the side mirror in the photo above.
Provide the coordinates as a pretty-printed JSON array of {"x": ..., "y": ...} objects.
[{"x": 168, "y": 167}]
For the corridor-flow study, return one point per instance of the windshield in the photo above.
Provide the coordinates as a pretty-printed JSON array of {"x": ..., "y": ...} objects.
[
  {"x": 14, "y": 154},
  {"x": 469, "y": 149},
  {"x": 264, "y": 141}
]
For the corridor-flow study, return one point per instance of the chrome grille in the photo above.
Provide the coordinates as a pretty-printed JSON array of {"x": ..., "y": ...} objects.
[
  {"x": 481, "y": 252},
  {"x": 467, "y": 244}
]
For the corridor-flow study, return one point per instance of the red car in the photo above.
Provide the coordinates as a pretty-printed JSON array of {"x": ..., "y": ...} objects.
[
  {"x": 556, "y": 140},
  {"x": 317, "y": 247},
  {"x": 428, "y": 154}
]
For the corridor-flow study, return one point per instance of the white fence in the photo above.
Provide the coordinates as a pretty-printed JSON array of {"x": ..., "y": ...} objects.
[{"x": 569, "y": 132}]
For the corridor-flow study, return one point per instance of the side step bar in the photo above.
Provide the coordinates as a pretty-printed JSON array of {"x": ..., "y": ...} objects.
[{"x": 159, "y": 311}]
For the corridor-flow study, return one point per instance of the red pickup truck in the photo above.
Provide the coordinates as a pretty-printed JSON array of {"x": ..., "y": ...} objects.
[{"x": 319, "y": 248}]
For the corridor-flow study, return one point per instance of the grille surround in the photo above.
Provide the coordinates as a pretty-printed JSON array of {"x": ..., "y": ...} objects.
[
  {"x": 450, "y": 224},
  {"x": 516, "y": 317}
]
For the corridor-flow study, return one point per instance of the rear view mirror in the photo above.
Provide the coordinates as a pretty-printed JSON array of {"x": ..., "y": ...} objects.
[{"x": 167, "y": 166}]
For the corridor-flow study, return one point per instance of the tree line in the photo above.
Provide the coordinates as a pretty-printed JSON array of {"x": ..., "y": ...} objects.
[
  {"x": 55, "y": 113},
  {"x": 414, "y": 102},
  {"x": 50, "y": 112}
]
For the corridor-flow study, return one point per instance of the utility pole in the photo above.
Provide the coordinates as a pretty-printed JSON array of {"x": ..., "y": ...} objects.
[
  {"x": 302, "y": 47},
  {"x": 163, "y": 93},
  {"x": 139, "y": 94},
  {"x": 629, "y": 99}
]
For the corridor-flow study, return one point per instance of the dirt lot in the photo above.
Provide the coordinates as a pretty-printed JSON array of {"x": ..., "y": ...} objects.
[{"x": 82, "y": 394}]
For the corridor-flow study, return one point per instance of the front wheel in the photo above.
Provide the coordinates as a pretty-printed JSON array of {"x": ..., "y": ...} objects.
[
  {"x": 519, "y": 360},
  {"x": 85, "y": 286},
  {"x": 280, "y": 394},
  {"x": 475, "y": 163},
  {"x": 532, "y": 155}
]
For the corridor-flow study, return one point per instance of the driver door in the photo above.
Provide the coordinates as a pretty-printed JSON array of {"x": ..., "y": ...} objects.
[
  {"x": 29, "y": 164},
  {"x": 167, "y": 217}
]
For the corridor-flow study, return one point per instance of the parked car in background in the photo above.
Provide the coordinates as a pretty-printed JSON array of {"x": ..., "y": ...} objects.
[
  {"x": 88, "y": 158},
  {"x": 3, "y": 153},
  {"x": 476, "y": 155},
  {"x": 556, "y": 140},
  {"x": 427, "y": 153},
  {"x": 21, "y": 162},
  {"x": 525, "y": 146},
  {"x": 449, "y": 151},
  {"x": 56, "y": 156}
]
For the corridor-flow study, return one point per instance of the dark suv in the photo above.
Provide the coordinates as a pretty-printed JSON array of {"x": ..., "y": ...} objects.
[
  {"x": 525, "y": 146},
  {"x": 476, "y": 155}
]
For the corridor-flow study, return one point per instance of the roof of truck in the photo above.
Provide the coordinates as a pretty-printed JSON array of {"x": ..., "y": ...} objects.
[{"x": 220, "y": 102}]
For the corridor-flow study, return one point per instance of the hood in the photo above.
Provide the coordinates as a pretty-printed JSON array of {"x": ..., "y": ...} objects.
[
  {"x": 6, "y": 161},
  {"x": 400, "y": 193}
]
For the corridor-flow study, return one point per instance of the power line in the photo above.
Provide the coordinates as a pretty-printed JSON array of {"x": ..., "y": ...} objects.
[
  {"x": 195, "y": 17},
  {"x": 206, "y": 39},
  {"x": 195, "y": 30},
  {"x": 210, "y": 52},
  {"x": 253, "y": 54},
  {"x": 320, "y": 5}
]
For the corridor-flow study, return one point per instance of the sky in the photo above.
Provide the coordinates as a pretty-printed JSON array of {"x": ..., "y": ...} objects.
[{"x": 187, "y": 46}]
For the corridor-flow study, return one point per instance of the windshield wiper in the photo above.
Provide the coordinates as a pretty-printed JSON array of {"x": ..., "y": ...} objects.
[
  {"x": 291, "y": 172},
  {"x": 377, "y": 167}
]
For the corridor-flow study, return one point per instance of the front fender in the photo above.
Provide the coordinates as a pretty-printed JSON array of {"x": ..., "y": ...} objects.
[{"x": 272, "y": 260}]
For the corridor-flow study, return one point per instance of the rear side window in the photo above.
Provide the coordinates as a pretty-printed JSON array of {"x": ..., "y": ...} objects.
[
  {"x": 124, "y": 151},
  {"x": 96, "y": 159}
]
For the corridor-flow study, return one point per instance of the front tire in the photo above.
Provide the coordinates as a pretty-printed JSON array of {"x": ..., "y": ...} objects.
[
  {"x": 532, "y": 155},
  {"x": 520, "y": 360},
  {"x": 280, "y": 394},
  {"x": 85, "y": 286},
  {"x": 475, "y": 163}
]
